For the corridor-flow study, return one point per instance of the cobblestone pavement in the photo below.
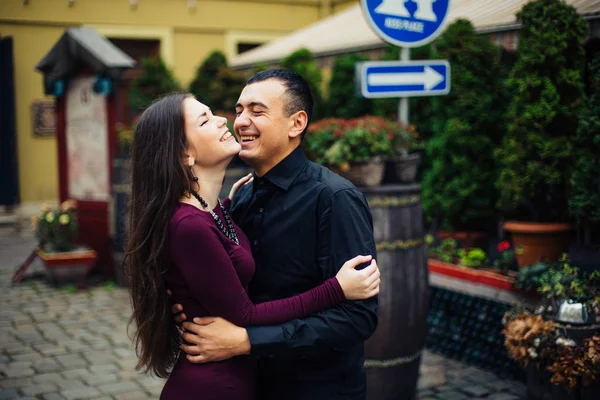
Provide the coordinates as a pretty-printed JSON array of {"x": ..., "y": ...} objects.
[{"x": 58, "y": 344}]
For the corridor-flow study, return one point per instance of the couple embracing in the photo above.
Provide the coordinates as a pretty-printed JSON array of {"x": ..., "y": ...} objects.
[{"x": 275, "y": 287}]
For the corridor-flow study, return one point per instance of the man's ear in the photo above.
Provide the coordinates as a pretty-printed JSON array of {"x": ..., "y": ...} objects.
[{"x": 298, "y": 122}]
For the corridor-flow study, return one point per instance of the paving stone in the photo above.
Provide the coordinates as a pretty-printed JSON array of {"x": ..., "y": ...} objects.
[
  {"x": 47, "y": 378},
  {"x": 53, "y": 396},
  {"x": 76, "y": 373},
  {"x": 47, "y": 365},
  {"x": 127, "y": 364},
  {"x": 26, "y": 356},
  {"x": 476, "y": 390},
  {"x": 128, "y": 375},
  {"x": 499, "y": 385},
  {"x": 148, "y": 382},
  {"x": 71, "y": 360},
  {"x": 79, "y": 393},
  {"x": 18, "y": 372},
  {"x": 49, "y": 349},
  {"x": 124, "y": 353},
  {"x": 120, "y": 387},
  {"x": 99, "y": 357},
  {"x": 70, "y": 384},
  {"x": 100, "y": 379},
  {"x": 103, "y": 368},
  {"x": 16, "y": 383},
  {"x": 8, "y": 394},
  {"x": 39, "y": 389},
  {"x": 17, "y": 349}
]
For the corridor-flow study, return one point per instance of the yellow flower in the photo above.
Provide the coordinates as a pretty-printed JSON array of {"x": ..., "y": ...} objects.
[
  {"x": 64, "y": 219},
  {"x": 50, "y": 217},
  {"x": 345, "y": 167},
  {"x": 46, "y": 208}
]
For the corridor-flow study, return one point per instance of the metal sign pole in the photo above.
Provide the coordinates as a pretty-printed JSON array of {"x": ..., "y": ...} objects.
[{"x": 403, "y": 105}]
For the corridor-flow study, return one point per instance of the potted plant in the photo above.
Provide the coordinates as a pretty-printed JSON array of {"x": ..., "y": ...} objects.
[
  {"x": 536, "y": 155},
  {"x": 405, "y": 153},
  {"x": 56, "y": 230},
  {"x": 458, "y": 189},
  {"x": 356, "y": 149},
  {"x": 572, "y": 297},
  {"x": 561, "y": 358}
]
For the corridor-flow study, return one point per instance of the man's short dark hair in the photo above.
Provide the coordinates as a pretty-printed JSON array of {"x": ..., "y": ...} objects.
[{"x": 299, "y": 97}]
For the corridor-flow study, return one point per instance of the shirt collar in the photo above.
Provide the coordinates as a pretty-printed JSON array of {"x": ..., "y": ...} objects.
[{"x": 283, "y": 174}]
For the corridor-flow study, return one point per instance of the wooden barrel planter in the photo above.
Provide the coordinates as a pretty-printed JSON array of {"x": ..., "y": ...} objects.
[{"x": 393, "y": 353}]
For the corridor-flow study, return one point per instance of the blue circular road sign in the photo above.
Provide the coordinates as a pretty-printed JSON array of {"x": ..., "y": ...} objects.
[{"x": 406, "y": 23}]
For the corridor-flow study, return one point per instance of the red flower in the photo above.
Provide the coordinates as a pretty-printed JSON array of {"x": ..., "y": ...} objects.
[{"x": 503, "y": 246}]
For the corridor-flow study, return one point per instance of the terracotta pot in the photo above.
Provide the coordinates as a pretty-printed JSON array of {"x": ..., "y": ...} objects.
[
  {"x": 365, "y": 173},
  {"x": 465, "y": 239},
  {"x": 407, "y": 167},
  {"x": 540, "y": 242}
]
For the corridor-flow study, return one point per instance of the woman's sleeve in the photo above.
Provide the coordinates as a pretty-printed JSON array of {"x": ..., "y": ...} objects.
[{"x": 207, "y": 268}]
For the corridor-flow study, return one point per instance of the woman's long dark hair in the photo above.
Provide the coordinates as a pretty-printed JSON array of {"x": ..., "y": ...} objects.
[{"x": 159, "y": 179}]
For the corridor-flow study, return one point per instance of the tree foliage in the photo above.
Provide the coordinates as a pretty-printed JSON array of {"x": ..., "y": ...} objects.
[
  {"x": 303, "y": 62},
  {"x": 546, "y": 83},
  {"x": 155, "y": 80},
  {"x": 458, "y": 188},
  {"x": 206, "y": 73},
  {"x": 343, "y": 101}
]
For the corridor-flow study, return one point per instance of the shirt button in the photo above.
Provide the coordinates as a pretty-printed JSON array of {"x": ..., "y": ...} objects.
[
  {"x": 260, "y": 210},
  {"x": 256, "y": 242}
]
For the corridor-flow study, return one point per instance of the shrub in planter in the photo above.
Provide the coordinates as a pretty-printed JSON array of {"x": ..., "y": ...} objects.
[
  {"x": 303, "y": 62},
  {"x": 342, "y": 99},
  {"x": 155, "y": 80},
  {"x": 206, "y": 73},
  {"x": 458, "y": 186},
  {"x": 225, "y": 90},
  {"x": 536, "y": 155}
]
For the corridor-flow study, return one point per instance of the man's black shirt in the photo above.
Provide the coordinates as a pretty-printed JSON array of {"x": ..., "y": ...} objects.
[{"x": 304, "y": 222}]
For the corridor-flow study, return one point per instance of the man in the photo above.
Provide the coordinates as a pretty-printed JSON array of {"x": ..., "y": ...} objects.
[{"x": 303, "y": 222}]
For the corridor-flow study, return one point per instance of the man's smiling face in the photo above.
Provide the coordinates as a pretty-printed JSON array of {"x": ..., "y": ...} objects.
[{"x": 261, "y": 125}]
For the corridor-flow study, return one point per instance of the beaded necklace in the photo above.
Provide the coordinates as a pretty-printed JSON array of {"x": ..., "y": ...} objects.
[{"x": 230, "y": 230}]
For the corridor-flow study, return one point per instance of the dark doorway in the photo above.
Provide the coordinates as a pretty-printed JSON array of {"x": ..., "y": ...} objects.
[{"x": 9, "y": 177}]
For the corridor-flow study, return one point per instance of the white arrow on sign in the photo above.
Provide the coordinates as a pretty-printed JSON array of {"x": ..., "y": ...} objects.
[{"x": 430, "y": 78}]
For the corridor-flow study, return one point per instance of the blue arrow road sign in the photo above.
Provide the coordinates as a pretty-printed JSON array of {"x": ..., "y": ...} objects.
[
  {"x": 379, "y": 79},
  {"x": 406, "y": 23}
]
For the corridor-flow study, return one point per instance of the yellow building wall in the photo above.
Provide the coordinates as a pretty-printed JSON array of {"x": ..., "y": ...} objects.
[
  {"x": 187, "y": 36},
  {"x": 38, "y": 167},
  {"x": 341, "y": 5}
]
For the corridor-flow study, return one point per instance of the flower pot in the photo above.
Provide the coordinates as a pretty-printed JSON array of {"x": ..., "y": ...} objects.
[
  {"x": 407, "y": 166},
  {"x": 69, "y": 265},
  {"x": 364, "y": 173},
  {"x": 540, "y": 242}
]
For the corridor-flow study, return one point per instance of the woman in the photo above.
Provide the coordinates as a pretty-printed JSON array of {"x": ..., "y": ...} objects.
[{"x": 181, "y": 237}]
